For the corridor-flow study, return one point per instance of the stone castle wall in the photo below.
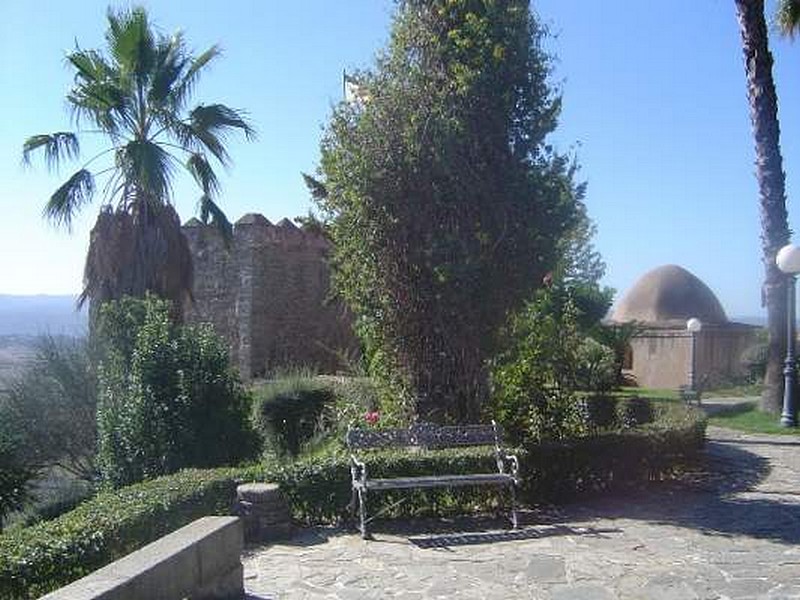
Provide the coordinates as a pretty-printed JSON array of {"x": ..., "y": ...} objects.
[{"x": 268, "y": 295}]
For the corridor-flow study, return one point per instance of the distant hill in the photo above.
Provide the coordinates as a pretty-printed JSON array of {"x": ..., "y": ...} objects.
[
  {"x": 33, "y": 315},
  {"x": 751, "y": 320}
]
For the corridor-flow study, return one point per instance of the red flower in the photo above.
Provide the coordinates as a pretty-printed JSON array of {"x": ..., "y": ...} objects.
[{"x": 372, "y": 417}]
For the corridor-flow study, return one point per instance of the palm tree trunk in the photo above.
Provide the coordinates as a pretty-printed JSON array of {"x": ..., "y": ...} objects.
[{"x": 772, "y": 193}]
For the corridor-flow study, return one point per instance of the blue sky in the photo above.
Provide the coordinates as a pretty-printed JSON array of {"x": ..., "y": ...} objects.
[{"x": 654, "y": 108}]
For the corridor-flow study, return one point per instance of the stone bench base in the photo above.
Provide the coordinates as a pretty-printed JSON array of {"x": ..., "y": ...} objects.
[{"x": 264, "y": 512}]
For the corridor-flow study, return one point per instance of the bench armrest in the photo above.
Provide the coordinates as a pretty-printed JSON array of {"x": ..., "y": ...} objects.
[
  {"x": 513, "y": 463},
  {"x": 358, "y": 470}
]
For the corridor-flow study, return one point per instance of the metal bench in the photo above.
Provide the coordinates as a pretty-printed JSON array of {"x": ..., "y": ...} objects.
[{"x": 429, "y": 437}]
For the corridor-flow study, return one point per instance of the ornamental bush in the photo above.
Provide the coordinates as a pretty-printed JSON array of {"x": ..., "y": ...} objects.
[
  {"x": 289, "y": 410},
  {"x": 51, "y": 407},
  {"x": 168, "y": 398},
  {"x": 16, "y": 474}
]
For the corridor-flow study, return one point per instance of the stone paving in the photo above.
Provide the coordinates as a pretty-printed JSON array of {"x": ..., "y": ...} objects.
[{"x": 730, "y": 531}]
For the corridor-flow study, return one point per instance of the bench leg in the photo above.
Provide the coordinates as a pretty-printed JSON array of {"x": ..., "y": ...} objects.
[
  {"x": 362, "y": 510},
  {"x": 514, "y": 519}
]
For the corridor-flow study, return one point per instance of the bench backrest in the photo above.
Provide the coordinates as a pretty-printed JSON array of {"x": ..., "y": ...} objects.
[{"x": 426, "y": 435}]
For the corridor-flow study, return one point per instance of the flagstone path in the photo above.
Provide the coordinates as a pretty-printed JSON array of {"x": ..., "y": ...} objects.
[{"x": 731, "y": 531}]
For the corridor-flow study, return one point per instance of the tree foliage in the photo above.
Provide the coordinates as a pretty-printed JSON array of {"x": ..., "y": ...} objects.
[
  {"x": 445, "y": 203},
  {"x": 548, "y": 356},
  {"x": 51, "y": 407},
  {"x": 16, "y": 474},
  {"x": 168, "y": 397},
  {"x": 136, "y": 95}
]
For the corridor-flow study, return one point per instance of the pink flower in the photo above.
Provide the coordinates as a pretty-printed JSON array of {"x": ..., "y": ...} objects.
[{"x": 372, "y": 417}]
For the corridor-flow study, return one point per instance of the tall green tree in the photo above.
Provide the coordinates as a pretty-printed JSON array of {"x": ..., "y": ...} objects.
[
  {"x": 136, "y": 94},
  {"x": 445, "y": 203},
  {"x": 771, "y": 184}
]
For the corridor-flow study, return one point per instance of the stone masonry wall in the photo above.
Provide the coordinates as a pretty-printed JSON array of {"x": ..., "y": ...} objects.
[{"x": 267, "y": 294}]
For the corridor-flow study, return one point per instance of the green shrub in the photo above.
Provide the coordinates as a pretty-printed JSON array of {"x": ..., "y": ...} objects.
[
  {"x": 51, "y": 406},
  {"x": 15, "y": 474},
  {"x": 559, "y": 470},
  {"x": 634, "y": 411},
  {"x": 600, "y": 412},
  {"x": 168, "y": 396},
  {"x": 289, "y": 410},
  {"x": 595, "y": 366},
  {"x": 535, "y": 378},
  {"x": 38, "y": 559}
]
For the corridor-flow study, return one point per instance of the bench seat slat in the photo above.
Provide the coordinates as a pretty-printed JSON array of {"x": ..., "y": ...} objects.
[{"x": 436, "y": 481}]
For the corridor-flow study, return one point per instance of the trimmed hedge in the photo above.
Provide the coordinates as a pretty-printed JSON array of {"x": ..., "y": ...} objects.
[
  {"x": 35, "y": 560},
  {"x": 556, "y": 471}
]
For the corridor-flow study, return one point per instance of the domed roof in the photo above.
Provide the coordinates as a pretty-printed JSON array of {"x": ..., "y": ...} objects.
[{"x": 669, "y": 293}]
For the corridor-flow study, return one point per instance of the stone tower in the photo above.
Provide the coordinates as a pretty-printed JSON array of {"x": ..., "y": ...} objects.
[{"x": 268, "y": 295}]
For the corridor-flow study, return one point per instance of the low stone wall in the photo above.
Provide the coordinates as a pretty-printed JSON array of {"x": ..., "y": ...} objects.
[{"x": 200, "y": 561}]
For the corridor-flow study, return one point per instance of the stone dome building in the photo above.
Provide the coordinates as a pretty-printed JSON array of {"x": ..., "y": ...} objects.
[{"x": 660, "y": 356}]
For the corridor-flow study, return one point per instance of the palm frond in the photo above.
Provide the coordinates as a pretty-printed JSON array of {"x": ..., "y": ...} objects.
[
  {"x": 130, "y": 40},
  {"x": 147, "y": 169},
  {"x": 184, "y": 90},
  {"x": 67, "y": 200},
  {"x": 99, "y": 94},
  {"x": 220, "y": 118},
  {"x": 203, "y": 174},
  {"x": 196, "y": 140},
  {"x": 90, "y": 65},
  {"x": 212, "y": 123},
  {"x": 787, "y": 17},
  {"x": 57, "y": 147},
  {"x": 211, "y": 212},
  {"x": 170, "y": 62}
]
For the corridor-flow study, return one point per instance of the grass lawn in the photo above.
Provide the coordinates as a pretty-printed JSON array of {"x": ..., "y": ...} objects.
[
  {"x": 653, "y": 394},
  {"x": 752, "y": 420},
  {"x": 739, "y": 391}
]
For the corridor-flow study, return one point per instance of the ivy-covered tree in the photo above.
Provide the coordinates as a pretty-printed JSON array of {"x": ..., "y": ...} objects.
[{"x": 445, "y": 203}]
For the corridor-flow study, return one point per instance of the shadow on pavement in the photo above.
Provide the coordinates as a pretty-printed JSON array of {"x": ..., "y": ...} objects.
[
  {"x": 488, "y": 537},
  {"x": 706, "y": 499}
]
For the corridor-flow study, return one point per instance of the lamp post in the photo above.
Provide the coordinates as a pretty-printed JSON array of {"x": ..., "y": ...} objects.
[
  {"x": 788, "y": 260},
  {"x": 693, "y": 325}
]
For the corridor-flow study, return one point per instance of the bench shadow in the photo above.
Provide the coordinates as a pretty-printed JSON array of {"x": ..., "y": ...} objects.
[
  {"x": 490, "y": 537},
  {"x": 719, "y": 497}
]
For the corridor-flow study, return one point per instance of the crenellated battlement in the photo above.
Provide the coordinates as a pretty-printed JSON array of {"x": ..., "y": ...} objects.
[{"x": 256, "y": 228}]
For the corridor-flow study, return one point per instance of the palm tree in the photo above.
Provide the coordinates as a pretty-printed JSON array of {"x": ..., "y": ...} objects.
[
  {"x": 771, "y": 184},
  {"x": 135, "y": 95}
]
